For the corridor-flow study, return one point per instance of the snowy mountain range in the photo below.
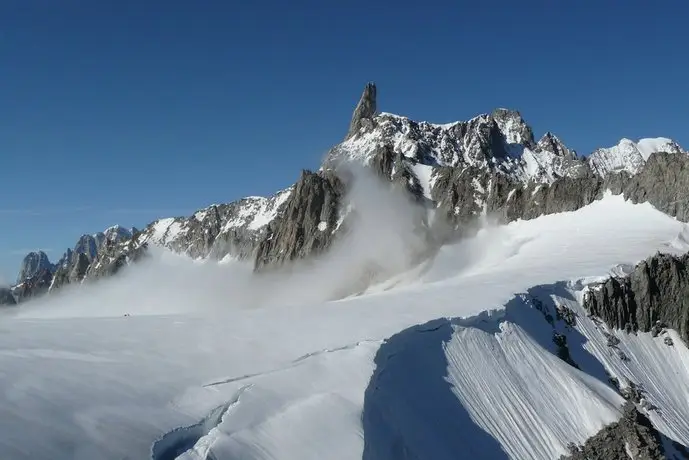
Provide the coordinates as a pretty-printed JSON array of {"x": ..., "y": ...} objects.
[
  {"x": 489, "y": 164},
  {"x": 431, "y": 292}
]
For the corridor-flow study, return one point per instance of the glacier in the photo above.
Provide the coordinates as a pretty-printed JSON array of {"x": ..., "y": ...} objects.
[{"x": 455, "y": 354}]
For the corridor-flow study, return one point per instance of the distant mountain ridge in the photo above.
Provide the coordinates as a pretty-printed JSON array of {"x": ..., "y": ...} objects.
[{"x": 459, "y": 171}]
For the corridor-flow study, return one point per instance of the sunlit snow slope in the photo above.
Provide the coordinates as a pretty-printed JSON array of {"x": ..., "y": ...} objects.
[{"x": 455, "y": 356}]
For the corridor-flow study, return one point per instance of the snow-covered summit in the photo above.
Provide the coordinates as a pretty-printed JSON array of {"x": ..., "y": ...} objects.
[
  {"x": 500, "y": 141},
  {"x": 629, "y": 156}
]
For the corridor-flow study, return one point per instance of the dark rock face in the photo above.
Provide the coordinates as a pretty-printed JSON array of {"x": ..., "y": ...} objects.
[
  {"x": 6, "y": 297},
  {"x": 531, "y": 200},
  {"x": 655, "y": 293},
  {"x": 34, "y": 286},
  {"x": 113, "y": 258},
  {"x": 79, "y": 269},
  {"x": 88, "y": 245},
  {"x": 200, "y": 235},
  {"x": 459, "y": 194},
  {"x": 33, "y": 263},
  {"x": 391, "y": 166},
  {"x": 365, "y": 110},
  {"x": 308, "y": 222},
  {"x": 463, "y": 194},
  {"x": 633, "y": 436},
  {"x": 663, "y": 182}
]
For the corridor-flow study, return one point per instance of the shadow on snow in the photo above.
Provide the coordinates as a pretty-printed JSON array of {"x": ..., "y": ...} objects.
[{"x": 410, "y": 411}]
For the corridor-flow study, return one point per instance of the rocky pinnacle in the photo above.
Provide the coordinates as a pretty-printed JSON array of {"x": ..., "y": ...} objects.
[{"x": 365, "y": 110}]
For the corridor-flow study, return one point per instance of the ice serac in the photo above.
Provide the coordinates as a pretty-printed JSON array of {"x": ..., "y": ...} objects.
[
  {"x": 365, "y": 110},
  {"x": 633, "y": 436},
  {"x": 33, "y": 263},
  {"x": 654, "y": 296},
  {"x": 307, "y": 224}
]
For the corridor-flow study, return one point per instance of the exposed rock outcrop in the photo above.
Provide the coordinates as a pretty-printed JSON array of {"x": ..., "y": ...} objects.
[
  {"x": 33, "y": 264},
  {"x": 365, "y": 110},
  {"x": 391, "y": 166},
  {"x": 463, "y": 195},
  {"x": 655, "y": 293},
  {"x": 308, "y": 222},
  {"x": 633, "y": 436},
  {"x": 663, "y": 182},
  {"x": 112, "y": 258}
]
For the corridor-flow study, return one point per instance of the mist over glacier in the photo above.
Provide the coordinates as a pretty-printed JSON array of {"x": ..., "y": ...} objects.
[
  {"x": 384, "y": 233},
  {"x": 297, "y": 377}
]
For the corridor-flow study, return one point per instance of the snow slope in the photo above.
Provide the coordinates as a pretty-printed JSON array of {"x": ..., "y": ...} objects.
[{"x": 454, "y": 354}]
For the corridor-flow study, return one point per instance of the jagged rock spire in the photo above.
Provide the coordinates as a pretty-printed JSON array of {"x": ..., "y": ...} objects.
[
  {"x": 365, "y": 110},
  {"x": 33, "y": 263}
]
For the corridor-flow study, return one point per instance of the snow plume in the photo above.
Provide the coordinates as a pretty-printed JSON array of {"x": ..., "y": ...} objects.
[{"x": 383, "y": 233}]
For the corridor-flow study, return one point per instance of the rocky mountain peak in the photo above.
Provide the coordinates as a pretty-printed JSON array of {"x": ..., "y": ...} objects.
[
  {"x": 629, "y": 156},
  {"x": 33, "y": 263},
  {"x": 551, "y": 143},
  {"x": 513, "y": 126},
  {"x": 365, "y": 110},
  {"x": 87, "y": 244}
]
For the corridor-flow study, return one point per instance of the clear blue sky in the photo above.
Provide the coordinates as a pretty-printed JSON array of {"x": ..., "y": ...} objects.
[{"x": 125, "y": 111}]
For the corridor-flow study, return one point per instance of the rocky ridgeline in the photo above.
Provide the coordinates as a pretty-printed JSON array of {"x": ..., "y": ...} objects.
[
  {"x": 489, "y": 164},
  {"x": 633, "y": 436},
  {"x": 652, "y": 297}
]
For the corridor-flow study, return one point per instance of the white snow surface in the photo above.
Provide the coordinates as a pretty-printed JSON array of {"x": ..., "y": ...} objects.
[
  {"x": 426, "y": 178},
  {"x": 444, "y": 358}
]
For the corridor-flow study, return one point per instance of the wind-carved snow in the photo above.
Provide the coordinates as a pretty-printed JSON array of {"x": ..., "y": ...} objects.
[
  {"x": 629, "y": 156},
  {"x": 317, "y": 370}
]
